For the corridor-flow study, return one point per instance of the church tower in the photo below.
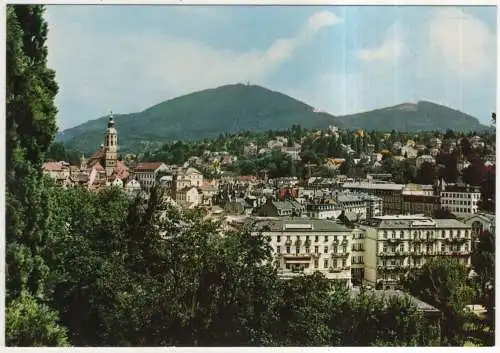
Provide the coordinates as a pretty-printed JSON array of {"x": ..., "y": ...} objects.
[{"x": 111, "y": 147}]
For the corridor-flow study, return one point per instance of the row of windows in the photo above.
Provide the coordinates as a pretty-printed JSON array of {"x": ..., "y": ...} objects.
[
  {"x": 429, "y": 248},
  {"x": 418, "y": 233},
  {"x": 357, "y": 260},
  {"x": 326, "y": 264},
  {"x": 461, "y": 210},
  {"x": 461, "y": 195},
  {"x": 316, "y": 249},
  {"x": 412, "y": 262},
  {"x": 316, "y": 238},
  {"x": 357, "y": 247},
  {"x": 458, "y": 202}
]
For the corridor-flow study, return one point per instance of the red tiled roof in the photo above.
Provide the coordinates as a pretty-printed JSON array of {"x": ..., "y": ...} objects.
[
  {"x": 96, "y": 157},
  {"x": 52, "y": 166},
  {"x": 148, "y": 165},
  {"x": 247, "y": 178},
  {"x": 121, "y": 170}
]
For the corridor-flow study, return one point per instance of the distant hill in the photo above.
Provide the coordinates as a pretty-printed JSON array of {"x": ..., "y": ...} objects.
[
  {"x": 421, "y": 116},
  {"x": 203, "y": 114},
  {"x": 235, "y": 108}
]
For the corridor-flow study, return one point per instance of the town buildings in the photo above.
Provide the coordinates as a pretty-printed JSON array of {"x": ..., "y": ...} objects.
[
  {"x": 147, "y": 173},
  {"x": 460, "y": 200},
  {"x": 102, "y": 169},
  {"x": 390, "y": 193},
  {"x": 395, "y": 244},
  {"x": 304, "y": 245}
]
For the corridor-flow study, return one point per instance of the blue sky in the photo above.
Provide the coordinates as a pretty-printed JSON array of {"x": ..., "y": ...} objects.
[{"x": 341, "y": 59}]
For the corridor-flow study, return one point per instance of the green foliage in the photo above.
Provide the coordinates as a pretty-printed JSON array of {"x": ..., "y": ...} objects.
[
  {"x": 203, "y": 114},
  {"x": 32, "y": 324},
  {"x": 423, "y": 116},
  {"x": 443, "y": 283},
  {"x": 235, "y": 108},
  {"x": 31, "y": 226}
]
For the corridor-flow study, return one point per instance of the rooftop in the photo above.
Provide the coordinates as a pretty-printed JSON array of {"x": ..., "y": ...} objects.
[
  {"x": 298, "y": 224},
  {"x": 376, "y": 186}
]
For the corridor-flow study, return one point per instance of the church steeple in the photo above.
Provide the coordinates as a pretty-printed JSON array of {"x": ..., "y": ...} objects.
[
  {"x": 83, "y": 162},
  {"x": 111, "y": 146}
]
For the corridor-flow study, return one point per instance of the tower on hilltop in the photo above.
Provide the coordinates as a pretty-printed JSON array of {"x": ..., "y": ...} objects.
[{"x": 111, "y": 146}]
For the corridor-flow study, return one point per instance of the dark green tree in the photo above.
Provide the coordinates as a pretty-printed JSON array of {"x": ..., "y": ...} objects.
[{"x": 443, "y": 283}]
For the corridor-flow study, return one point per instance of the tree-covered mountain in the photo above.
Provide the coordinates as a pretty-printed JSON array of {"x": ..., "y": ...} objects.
[
  {"x": 235, "y": 108},
  {"x": 199, "y": 115},
  {"x": 421, "y": 116}
]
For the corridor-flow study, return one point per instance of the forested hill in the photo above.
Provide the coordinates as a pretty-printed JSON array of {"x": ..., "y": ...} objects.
[
  {"x": 421, "y": 116},
  {"x": 235, "y": 108},
  {"x": 203, "y": 114}
]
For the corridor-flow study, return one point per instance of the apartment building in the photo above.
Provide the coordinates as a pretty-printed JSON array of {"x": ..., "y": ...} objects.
[
  {"x": 146, "y": 173},
  {"x": 390, "y": 193},
  {"x": 305, "y": 245},
  {"x": 395, "y": 244},
  {"x": 357, "y": 256},
  {"x": 323, "y": 210},
  {"x": 480, "y": 222},
  {"x": 421, "y": 204},
  {"x": 460, "y": 200}
]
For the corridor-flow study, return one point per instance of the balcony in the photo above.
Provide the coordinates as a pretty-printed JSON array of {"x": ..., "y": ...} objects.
[
  {"x": 394, "y": 240},
  {"x": 297, "y": 258},
  {"x": 335, "y": 269},
  {"x": 340, "y": 254},
  {"x": 455, "y": 240}
]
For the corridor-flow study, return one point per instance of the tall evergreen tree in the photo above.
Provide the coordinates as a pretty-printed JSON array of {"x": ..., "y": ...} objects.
[{"x": 30, "y": 222}]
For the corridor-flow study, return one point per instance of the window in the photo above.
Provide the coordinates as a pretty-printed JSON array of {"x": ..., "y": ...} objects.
[
  {"x": 316, "y": 249},
  {"x": 326, "y": 250},
  {"x": 297, "y": 249},
  {"x": 325, "y": 263},
  {"x": 287, "y": 237},
  {"x": 344, "y": 249},
  {"x": 298, "y": 237},
  {"x": 287, "y": 266},
  {"x": 308, "y": 250},
  {"x": 316, "y": 238},
  {"x": 316, "y": 263},
  {"x": 326, "y": 238},
  {"x": 344, "y": 262},
  {"x": 278, "y": 239},
  {"x": 278, "y": 249},
  {"x": 288, "y": 250}
]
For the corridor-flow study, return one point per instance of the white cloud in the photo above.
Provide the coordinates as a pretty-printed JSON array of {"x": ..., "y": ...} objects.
[
  {"x": 323, "y": 19},
  {"x": 461, "y": 42},
  {"x": 391, "y": 47},
  {"x": 132, "y": 72}
]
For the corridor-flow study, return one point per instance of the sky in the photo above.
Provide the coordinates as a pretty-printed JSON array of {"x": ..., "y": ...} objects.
[{"x": 339, "y": 59}]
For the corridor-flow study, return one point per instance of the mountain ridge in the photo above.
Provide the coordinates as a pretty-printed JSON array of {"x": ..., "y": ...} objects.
[{"x": 236, "y": 108}]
